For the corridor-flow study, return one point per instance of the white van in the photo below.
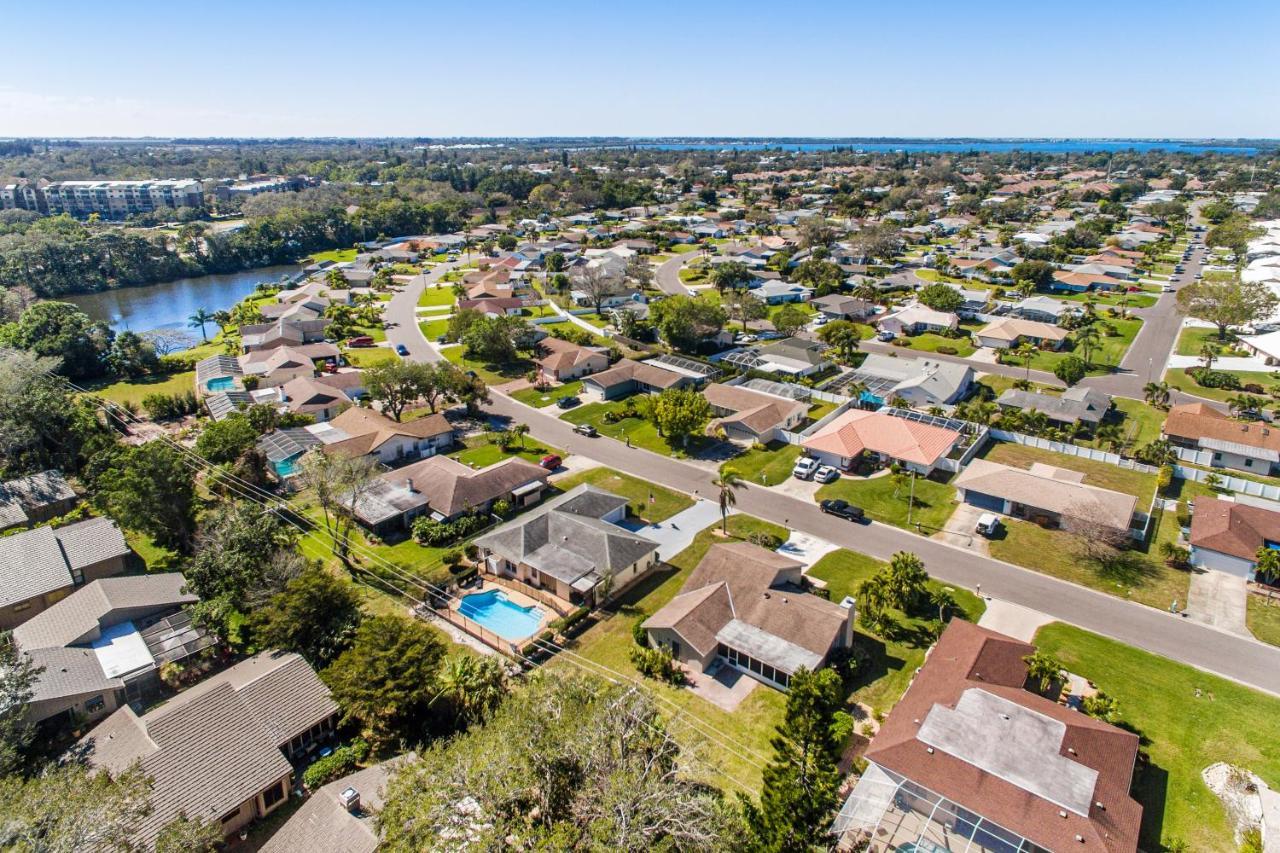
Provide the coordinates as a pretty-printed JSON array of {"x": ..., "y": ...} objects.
[{"x": 988, "y": 524}]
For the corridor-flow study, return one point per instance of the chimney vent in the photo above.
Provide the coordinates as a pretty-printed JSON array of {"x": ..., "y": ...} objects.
[{"x": 408, "y": 484}]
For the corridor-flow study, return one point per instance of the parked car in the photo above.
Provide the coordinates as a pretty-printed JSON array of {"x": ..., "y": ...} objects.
[
  {"x": 885, "y": 335},
  {"x": 821, "y": 320},
  {"x": 360, "y": 341},
  {"x": 1167, "y": 288},
  {"x": 988, "y": 524},
  {"x": 586, "y": 429},
  {"x": 567, "y": 402},
  {"x": 551, "y": 461},
  {"x": 746, "y": 339},
  {"x": 825, "y": 474},
  {"x": 804, "y": 468},
  {"x": 402, "y": 350},
  {"x": 843, "y": 509}
]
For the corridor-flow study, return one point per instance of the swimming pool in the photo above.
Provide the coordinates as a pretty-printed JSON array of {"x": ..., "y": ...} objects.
[
  {"x": 221, "y": 383},
  {"x": 502, "y": 616}
]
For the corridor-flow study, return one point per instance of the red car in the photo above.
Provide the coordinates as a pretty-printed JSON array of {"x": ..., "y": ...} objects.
[
  {"x": 360, "y": 341},
  {"x": 551, "y": 462}
]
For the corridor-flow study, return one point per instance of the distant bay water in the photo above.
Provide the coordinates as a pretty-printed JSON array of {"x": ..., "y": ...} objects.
[{"x": 1047, "y": 146}]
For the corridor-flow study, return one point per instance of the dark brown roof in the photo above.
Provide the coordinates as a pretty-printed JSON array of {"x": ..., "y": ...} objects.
[
  {"x": 968, "y": 657},
  {"x": 627, "y": 370},
  {"x": 1198, "y": 421},
  {"x": 1232, "y": 528}
]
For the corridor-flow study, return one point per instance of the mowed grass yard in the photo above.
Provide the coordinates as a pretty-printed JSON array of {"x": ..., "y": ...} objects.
[
  {"x": 1188, "y": 720},
  {"x": 1263, "y": 618},
  {"x": 1178, "y": 378},
  {"x": 438, "y": 294},
  {"x": 640, "y": 432},
  {"x": 131, "y": 391},
  {"x": 1192, "y": 339},
  {"x": 768, "y": 465},
  {"x": 930, "y": 342},
  {"x": 492, "y": 374},
  {"x": 538, "y": 399},
  {"x": 1107, "y": 355},
  {"x": 646, "y": 500},
  {"x": 892, "y": 660},
  {"x": 608, "y": 643},
  {"x": 478, "y": 452},
  {"x": 886, "y": 502}
]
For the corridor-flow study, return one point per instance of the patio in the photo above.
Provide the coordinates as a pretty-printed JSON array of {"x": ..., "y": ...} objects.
[{"x": 723, "y": 686}]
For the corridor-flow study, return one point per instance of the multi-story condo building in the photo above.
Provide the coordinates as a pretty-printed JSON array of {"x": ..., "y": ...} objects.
[{"x": 111, "y": 199}]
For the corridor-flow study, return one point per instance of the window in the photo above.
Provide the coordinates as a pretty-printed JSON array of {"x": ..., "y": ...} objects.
[
  {"x": 94, "y": 705},
  {"x": 230, "y": 816},
  {"x": 1248, "y": 463},
  {"x": 21, "y": 606},
  {"x": 273, "y": 795}
]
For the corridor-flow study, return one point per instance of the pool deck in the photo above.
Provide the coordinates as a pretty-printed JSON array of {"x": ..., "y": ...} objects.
[{"x": 515, "y": 597}]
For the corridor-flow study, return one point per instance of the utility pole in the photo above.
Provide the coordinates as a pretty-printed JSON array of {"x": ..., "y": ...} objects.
[{"x": 911, "y": 498}]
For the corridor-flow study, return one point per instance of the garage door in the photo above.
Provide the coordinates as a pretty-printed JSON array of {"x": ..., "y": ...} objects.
[{"x": 981, "y": 501}]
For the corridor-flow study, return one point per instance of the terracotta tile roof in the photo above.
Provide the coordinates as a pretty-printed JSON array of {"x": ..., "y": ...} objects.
[
  {"x": 1232, "y": 528},
  {"x": 565, "y": 355},
  {"x": 1196, "y": 421},
  {"x": 967, "y": 659},
  {"x": 1013, "y": 328},
  {"x": 857, "y": 430}
]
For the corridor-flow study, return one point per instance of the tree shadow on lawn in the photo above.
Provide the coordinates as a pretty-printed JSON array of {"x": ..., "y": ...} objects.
[
  {"x": 1132, "y": 568},
  {"x": 876, "y": 664}
]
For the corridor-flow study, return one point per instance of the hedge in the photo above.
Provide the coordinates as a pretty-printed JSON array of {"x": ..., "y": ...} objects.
[{"x": 342, "y": 761}]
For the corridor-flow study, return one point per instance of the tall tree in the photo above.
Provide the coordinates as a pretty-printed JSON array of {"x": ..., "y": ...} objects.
[
  {"x": 189, "y": 835},
  {"x": 473, "y": 686},
  {"x": 1228, "y": 303},
  {"x": 67, "y": 809},
  {"x": 842, "y": 336},
  {"x": 726, "y": 485},
  {"x": 151, "y": 488},
  {"x": 802, "y": 783},
  {"x": 681, "y": 413},
  {"x": 61, "y": 330},
  {"x": 17, "y": 682},
  {"x": 744, "y": 307},
  {"x": 385, "y": 682},
  {"x": 200, "y": 318},
  {"x": 338, "y": 481},
  {"x": 790, "y": 319},
  {"x": 399, "y": 384},
  {"x": 597, "y": 284},
  {"x": 315, "y": 615}
]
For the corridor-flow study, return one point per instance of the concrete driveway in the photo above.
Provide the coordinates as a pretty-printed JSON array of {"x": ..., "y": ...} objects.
[
  {"x": 677, "y": 532},
  {"x": 959, "y": 529},
  {"x": 806, "y": 548},
  {"x": 1218, "y": 599}
]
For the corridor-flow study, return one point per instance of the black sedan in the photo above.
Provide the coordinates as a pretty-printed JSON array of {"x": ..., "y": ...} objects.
[{"x": 844, "y": 509}]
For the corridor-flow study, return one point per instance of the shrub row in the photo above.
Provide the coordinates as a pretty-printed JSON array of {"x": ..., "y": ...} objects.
[{"x": 342, "y": 761}]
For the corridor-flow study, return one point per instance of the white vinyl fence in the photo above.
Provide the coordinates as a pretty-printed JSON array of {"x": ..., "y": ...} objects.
[
  {"x": 1074, "y": 450},
  {"x": 1229, "y": 483}
]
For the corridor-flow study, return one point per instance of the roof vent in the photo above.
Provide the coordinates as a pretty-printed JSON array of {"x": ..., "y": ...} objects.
[
  {"x": 349, "y": 799},
  {"x": 1071, "y": 749},
  {"x": 1004, "y": 717},
  {"x": 1100, "y": 806},
  {"x": 1062, "y": 814},
  {"x": 408, "y": 484},
  {"x": 929, "y": 750},
  {"x": 1080, "y": 838}
]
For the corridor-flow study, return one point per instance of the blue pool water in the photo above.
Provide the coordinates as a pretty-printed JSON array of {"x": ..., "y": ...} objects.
[
  {"x": 221, "y": 383},
  {"x": 502, "y": 616},
  {"x": 287, "y": 467}
]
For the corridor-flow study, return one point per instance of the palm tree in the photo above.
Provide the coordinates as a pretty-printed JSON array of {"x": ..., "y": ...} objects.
[
  {"x": 1043, "y": 669},
  {"x": 473, "y": 685},
  {"x": 1208, "y": 355},
  {"x": 222, "y": 318},
  {"x": 944, "y": 600},
  {"x": 1156, "y": 394},
  {"x": 908, "y": 581},
  {"x": 520, "y": 431},
  {"x": 1087, "y": 338},
  {"x": 726, "y": 483},
  {"x": 873, "y": 598},
  {"x": 1109, "y": 436},
  {"x": 199, "y": 320}
]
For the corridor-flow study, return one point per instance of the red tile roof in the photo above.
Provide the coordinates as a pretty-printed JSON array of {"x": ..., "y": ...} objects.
[
  {"x": 1232, "y": 528},
  {"x": 857, "y": 430}
]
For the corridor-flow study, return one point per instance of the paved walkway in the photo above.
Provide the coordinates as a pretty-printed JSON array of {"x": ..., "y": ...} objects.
[
  {"x": 1013, "y": 620},
  {"x": 1218, "y": 599}
]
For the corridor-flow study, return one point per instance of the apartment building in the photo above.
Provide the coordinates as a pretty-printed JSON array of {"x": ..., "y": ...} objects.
[{"x": 110, "y": 199}]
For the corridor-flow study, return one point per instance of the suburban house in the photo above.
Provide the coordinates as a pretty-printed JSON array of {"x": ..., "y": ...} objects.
[
  {"x": 790, "y": 356},
  {"x": 493, "y": 306},
  {"x": 1252, "y": 446},
  {"x": 773, "y": 292},
  {"x": 1084, "y": 281},
  {"x": 1044, "y": 309},
  {"x": 35, "y": 499},
  {"x": 569, "y": 546},
  {"x": 746, "y": 607},
  {"x": 838, "y": 307},
  {"x": 1075, "y": 406},
  {"x": 277, "y": 366},
  {"x": 971, "y": 760},
  {"x": 1226, "y": 536},
  {"x": 102, "y": 645},
  {"x": 41, "y": 566},
  {"x": 221, "y": 750},
  {"x": 563, "y": 361},
  {"x": 922, "y": 382},
  {"x": 1044, "y": 494},
  {"x": 286, "y": 331},
  {"x": 886, "y": 438},
  {"x": 628, "y": 377},
  {"x": 1009, "y": 332},
  {"x": 442, "y": 488},
  {"x": 322, "y": 397},
  {"x": 369, "y": 432},
  {"x": 218, "y": 373},
  {"x": 915, "y": 318},
  {"x": 752, "y": 416}
]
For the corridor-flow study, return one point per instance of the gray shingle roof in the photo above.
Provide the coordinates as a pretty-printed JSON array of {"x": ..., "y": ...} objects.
[
  {"x": 212, "y": 747},
  {"x": 79, "y": 615},
  {"x": 323, "y": 824},
  {"x": 37, "y": 490},
  {"x": 31, "y": 564},
  {"x": 68, "y": 672},
  {"x": 91, "y": 541}
]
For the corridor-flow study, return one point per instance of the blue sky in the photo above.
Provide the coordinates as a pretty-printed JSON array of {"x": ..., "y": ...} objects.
[{"x": 853, "y": 68}]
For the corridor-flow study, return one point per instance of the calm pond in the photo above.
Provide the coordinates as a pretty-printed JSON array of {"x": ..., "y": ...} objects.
[{"x": 167, "y": 305}]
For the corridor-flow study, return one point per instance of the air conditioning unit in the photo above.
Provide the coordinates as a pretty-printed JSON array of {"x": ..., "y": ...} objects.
[{"x": 349, "y": 799}]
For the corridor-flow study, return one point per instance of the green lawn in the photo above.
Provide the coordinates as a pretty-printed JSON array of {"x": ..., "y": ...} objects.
[
  {"x": 154, "y": 557},
  {"x": 492, "y": 374},
  {"x": 132, "y": 391},
  {"x": 1100, "y": 474},
  {"x": 370, "y": 356},
  {"x": 436, "y": 295},
  {"x": 893, "y": 660},
  {"x": 999, "y": 383},
  {"x": 338, "y": 256},
  {"x": 664, "y": 504},
  {"x": 432, "y": 329},
  {"x": 1178, "y": 378},
  {"x": 479, "y": 453},
  {"x": 750, "y": 726},
  {"x": 683, "y": 248},
  {"x": 768, "y": 466},
  {"x": 818, "y": 411},
  {"x": 1188, "y": 720},
  {"x": 1140, "y": 422},
  {"x": 1107, "y": 355},
  {"x": 1134, "y": 300},
  {"x": 1191, "y": 340},
  {"x": 934, "y": 501},
  {"x": 930, "y": 342},
  {"x": 538, "y": 399},
  {"x": 642, "y": 433},
  {"x": 1263, "y": 618}
]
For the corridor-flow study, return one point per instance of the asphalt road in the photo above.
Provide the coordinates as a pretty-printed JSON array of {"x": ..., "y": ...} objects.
[
  {"x": 1239, "y": 658},
  {"x": 668, "y": 275}
]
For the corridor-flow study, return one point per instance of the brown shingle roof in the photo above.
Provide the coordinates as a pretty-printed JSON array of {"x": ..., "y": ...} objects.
[
  {"x": 565, "y": 355},
  {"x": 370, "y": 429},
  {"x": 1197, "y": 421},
  {"x": 971, "y": 658},
  {"x": 1232, "y": 528},
  {"x": 757, "y": 412},
  {"x": 627, "y": 370}
]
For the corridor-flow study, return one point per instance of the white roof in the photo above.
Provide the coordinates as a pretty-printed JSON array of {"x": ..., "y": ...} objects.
[{"x": 121, "y": 650}]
